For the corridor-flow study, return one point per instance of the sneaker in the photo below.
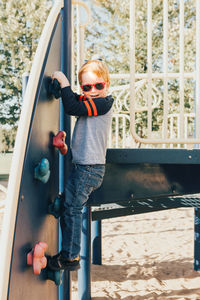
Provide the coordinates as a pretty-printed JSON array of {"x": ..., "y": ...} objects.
[{"x": 58, "y": 262}]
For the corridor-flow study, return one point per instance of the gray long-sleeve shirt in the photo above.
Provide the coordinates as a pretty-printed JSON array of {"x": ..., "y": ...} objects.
[{"x": 89, "y": 140}]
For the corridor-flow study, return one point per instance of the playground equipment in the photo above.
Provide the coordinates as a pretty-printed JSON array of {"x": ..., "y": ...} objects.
[
  {"x": 36, "y": 258},
  {"x": 26, "y": 219},
  {"x": 144, "y": 180},
  {"x": 59, "y": 142},
  {"x": 42, "y": 171}
]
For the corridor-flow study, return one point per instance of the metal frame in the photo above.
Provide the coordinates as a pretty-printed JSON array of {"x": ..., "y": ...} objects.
[
  {"x": 65, "y": 124},
  {"x": 181, "y": 139}
]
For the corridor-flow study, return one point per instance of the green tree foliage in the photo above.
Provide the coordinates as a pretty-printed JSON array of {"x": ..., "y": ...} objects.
[
  {"x": 7, "y": 137},
  {"x": 21, "y": 23}
]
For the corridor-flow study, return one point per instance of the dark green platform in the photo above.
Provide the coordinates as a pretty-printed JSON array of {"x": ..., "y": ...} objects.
[{"x": 145, "y": 180}]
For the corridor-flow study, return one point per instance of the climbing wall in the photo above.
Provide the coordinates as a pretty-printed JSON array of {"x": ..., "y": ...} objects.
[{"x": 33, "y": 223}]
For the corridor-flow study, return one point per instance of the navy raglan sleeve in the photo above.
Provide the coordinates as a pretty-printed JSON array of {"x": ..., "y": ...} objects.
[{"x": 78, "y": 105}]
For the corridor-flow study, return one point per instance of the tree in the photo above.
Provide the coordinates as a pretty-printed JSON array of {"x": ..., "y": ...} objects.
[
  {"x": 8, "y": 139},
  {"x": 21, "y": 23}
]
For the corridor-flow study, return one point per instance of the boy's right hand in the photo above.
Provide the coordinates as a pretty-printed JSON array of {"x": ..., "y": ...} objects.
[{"x": 62, "y": 79}]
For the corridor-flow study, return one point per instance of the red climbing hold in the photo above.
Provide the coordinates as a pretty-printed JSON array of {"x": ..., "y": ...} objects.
[
  {"x": 59, "y": 142},
  {"x": 36, "y": 257}
]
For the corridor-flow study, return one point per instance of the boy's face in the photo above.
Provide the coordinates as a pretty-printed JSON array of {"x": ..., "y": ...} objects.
[{"x": 90, "y": 78}]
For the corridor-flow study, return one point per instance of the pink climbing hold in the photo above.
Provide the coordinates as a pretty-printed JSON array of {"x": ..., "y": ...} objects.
[
  {"x": 36, "y": 257},
  {"x": 59, "y": 142}
]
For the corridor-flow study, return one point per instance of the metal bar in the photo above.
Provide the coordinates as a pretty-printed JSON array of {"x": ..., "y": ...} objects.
[
  {"x": 82, "y": 37},
  {"x": 73, "y": 48},
  {"x": 84, "y": 281},
  {"x": 181, "y": 70},
  {"x": 149, "y": 63},
  {"x": 110, "y": 139},
  {"x": 155, "y": 156},
  {"x": 155, "y": 75},
  {"x": 165, "y": 141},
  {"x": 165, "y": 66},
  {"x": 123, "y": 132},
  {"x": 121, "y": 212},
  {"x": 178, "y": 128},
  {"x": 117, "y": 132},
  {"x": 64, "y": 162},
  {"x": 197, "y": 98},
  {"x": 197, "y": 134},
  {"x": 197, "y": 239},
  {"x": 78, "y": 63},
  {"x": 96, "y": 243},
  {"x": 171, "y": 126},
  {"x": 107, "y": 212},
  {"x": 132, "y": 63}
]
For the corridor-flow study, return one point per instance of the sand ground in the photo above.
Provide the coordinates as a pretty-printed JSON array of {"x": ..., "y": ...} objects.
[{"x": 148, "y": 256}]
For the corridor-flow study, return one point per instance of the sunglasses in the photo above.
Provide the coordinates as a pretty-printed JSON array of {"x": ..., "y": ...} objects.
[{"x": 88, "y": 87}]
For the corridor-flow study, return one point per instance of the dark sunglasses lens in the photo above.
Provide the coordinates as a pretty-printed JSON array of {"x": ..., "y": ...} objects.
[
  {"x": 87, "y": 88},
  {"x": 99, "y": 86}
]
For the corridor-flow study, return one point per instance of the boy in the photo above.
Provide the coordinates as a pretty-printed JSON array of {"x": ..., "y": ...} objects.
[{"x": 88, "y": 153}]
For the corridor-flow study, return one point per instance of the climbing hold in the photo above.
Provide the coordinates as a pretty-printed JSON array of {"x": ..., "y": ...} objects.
[
  {"x": 59, "y": 142},
  {"x": 55, "y": 276},
  {"x": 54, "y": 88},
  {"x": 42, "y": 171},
  {"x": 36, "y": 257},
  {"x": 55, "y": 207}
]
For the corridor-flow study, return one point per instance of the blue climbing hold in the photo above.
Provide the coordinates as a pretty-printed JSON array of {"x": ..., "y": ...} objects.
[
  {"x": 55, "y": 208},
  {"x": 42, "y": 170}
]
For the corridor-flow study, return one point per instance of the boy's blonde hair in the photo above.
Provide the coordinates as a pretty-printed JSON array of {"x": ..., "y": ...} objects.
[{"x": 97, "y": 67}]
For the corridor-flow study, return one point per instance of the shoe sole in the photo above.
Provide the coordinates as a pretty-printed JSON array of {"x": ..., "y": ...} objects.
[{"x": 67, "y": 268}]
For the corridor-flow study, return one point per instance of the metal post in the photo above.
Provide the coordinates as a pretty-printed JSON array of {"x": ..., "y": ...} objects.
[
  {"x": 197, "y": 133},
  {"x": 84, "y": 287},
  {"x": 96, "y": 243},
  {"x": 149, "y": 65},
  {"x": 197, "y": 240},
  {"x": 64, "y": 162},
  {"x": 181, "y": 87}
]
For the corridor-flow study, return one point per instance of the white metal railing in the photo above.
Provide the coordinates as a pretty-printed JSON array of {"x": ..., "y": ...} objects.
[
  {"x": 80, "y": 32},
  {"x": 141, "y": 95},
  {"x": 120, "y": 133},
  {"x": 166, "y": 138},
  {"x": 174, "y": 129}
]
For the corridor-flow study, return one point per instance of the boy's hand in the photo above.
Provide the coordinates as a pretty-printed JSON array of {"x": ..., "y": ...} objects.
[{"x": 62, "y": 79}]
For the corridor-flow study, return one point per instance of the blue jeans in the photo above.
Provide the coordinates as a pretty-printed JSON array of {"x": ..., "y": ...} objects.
[{"x": 83, "y": 180}]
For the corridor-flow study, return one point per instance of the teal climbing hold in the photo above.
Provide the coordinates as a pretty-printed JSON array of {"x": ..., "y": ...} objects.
[
  {"x": 55, "y": 207},
  {"x": 42, "y": 170},
  {"x": 55, "y": 276}
]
